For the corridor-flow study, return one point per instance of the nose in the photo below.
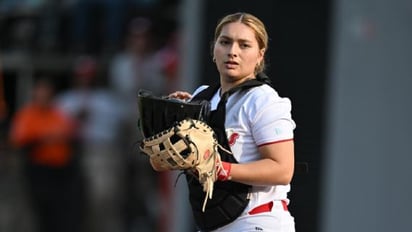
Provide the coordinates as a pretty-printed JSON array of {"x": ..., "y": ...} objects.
[{"x": 233, "y": 50}]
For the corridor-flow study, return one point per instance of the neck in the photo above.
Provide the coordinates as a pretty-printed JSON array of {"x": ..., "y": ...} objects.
[{"x": 227, "y": 85}]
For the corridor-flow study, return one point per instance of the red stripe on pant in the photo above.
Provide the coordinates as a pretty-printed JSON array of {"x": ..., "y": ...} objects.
[{"x": 266, "y": 208}]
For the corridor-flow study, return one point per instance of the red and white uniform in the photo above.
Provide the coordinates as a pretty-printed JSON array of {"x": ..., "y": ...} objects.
[{"x": 256, "y": 117}]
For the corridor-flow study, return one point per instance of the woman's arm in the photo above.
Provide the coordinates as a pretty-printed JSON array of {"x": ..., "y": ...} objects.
[{"x": 275, "y": 167}]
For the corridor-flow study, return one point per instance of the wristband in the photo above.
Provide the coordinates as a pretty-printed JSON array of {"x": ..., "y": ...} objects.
[{"x": 223, "y": 173}]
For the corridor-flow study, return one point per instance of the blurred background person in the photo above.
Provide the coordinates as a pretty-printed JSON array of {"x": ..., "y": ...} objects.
[
  {"x": 170, "y": 57},
  {"x": 140, "y": 65},
  {"x": 97, "y": 114},
  {"x": 46, "y": 137}
]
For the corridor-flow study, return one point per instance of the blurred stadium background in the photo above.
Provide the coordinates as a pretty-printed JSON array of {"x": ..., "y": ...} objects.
[{"x": 346, "y": 66}]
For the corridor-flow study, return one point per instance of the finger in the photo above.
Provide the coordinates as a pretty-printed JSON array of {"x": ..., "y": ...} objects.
[{"x": 180, "y": 95}]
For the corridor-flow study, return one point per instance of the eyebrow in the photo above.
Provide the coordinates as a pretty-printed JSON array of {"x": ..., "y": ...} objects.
[{"x": 230, "y": 38}]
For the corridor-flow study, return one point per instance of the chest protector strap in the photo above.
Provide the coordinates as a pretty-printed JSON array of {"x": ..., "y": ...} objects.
[{"x": 229, "y": 198}]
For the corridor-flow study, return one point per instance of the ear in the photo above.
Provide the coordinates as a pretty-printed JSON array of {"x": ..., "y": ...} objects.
[{"x": 261, "y": 54}]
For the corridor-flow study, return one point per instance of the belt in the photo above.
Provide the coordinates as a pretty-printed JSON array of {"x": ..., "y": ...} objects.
[{"x": 267, "y": 207}]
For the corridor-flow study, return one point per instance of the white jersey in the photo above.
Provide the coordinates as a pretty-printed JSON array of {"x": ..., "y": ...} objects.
[{"x": 254, "y": 118}]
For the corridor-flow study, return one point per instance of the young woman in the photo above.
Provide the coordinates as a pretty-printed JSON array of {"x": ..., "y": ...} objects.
[{"x": 251, "y": 194}]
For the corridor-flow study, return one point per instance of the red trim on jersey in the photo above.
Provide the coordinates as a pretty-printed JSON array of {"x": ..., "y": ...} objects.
[{"x": 279, "y": 141}]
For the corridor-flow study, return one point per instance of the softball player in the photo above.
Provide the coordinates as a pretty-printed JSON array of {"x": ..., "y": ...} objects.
[{"x": 259, "y": 130}]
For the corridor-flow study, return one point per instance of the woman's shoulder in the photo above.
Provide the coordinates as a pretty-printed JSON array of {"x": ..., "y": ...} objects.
[
  {"x": 265, "y": 93},
  {"x": 265, "y": 97}
]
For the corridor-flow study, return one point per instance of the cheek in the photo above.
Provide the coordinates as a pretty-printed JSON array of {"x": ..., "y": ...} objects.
[
  {"x": 217, "y": 55},
  {"x": 217, "y": 52},
  {"x": 252, "y": 60}
]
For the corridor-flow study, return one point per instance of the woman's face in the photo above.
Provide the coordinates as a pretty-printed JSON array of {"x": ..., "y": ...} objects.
[{"x": 237, "y": 52}]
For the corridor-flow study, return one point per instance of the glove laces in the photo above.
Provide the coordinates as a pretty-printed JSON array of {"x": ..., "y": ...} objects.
[{"x": 211, "y": 176}]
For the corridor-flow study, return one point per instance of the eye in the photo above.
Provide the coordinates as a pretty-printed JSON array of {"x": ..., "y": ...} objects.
[
  {"x": 244, "y": 45},
  {"x": 224, "y": 42}
]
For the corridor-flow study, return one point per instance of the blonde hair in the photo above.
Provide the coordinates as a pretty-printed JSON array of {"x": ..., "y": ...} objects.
[{"x": 255, "y": 24}]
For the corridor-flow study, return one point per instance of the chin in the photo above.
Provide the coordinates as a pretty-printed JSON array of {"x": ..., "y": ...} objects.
[{"x": 231, "y": 75}]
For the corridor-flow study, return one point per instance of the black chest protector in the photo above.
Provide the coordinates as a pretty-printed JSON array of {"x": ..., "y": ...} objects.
[{"x": 229, "y": 198}]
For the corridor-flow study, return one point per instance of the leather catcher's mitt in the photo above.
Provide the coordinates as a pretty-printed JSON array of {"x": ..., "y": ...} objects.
[
  {"x": 189, "y": 145},
  {"x": 157, "y": 114}
]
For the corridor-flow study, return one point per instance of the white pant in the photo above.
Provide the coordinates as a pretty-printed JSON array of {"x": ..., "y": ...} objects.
[{"x": 277, "y": 220}]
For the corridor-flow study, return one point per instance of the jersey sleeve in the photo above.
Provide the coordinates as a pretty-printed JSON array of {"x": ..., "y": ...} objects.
[
  {"x": 199, "y": 89},
  {"x": 272, "y": 119}
]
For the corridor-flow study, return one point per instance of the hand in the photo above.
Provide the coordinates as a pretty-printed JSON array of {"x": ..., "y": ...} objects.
[
  {"x": 180, "y": 95},
  {"x": 223, "y": 171}
]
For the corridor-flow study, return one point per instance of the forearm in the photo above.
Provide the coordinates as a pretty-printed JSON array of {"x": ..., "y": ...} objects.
[{"x": 262, "y": 172}]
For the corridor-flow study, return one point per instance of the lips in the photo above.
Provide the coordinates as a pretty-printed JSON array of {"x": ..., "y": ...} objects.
[{"x": 231, "y": 64}]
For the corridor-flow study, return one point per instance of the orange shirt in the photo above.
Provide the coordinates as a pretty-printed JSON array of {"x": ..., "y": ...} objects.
[{"x": 48, "y": 130}]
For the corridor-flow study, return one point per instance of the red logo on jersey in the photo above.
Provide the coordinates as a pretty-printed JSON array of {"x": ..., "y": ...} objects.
[
  {"x": 206, "y": 155},
  {"x": 232, "y": 138}
]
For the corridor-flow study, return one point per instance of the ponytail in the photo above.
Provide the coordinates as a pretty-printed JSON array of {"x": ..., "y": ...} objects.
[{"x": 264, "y": 78}]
